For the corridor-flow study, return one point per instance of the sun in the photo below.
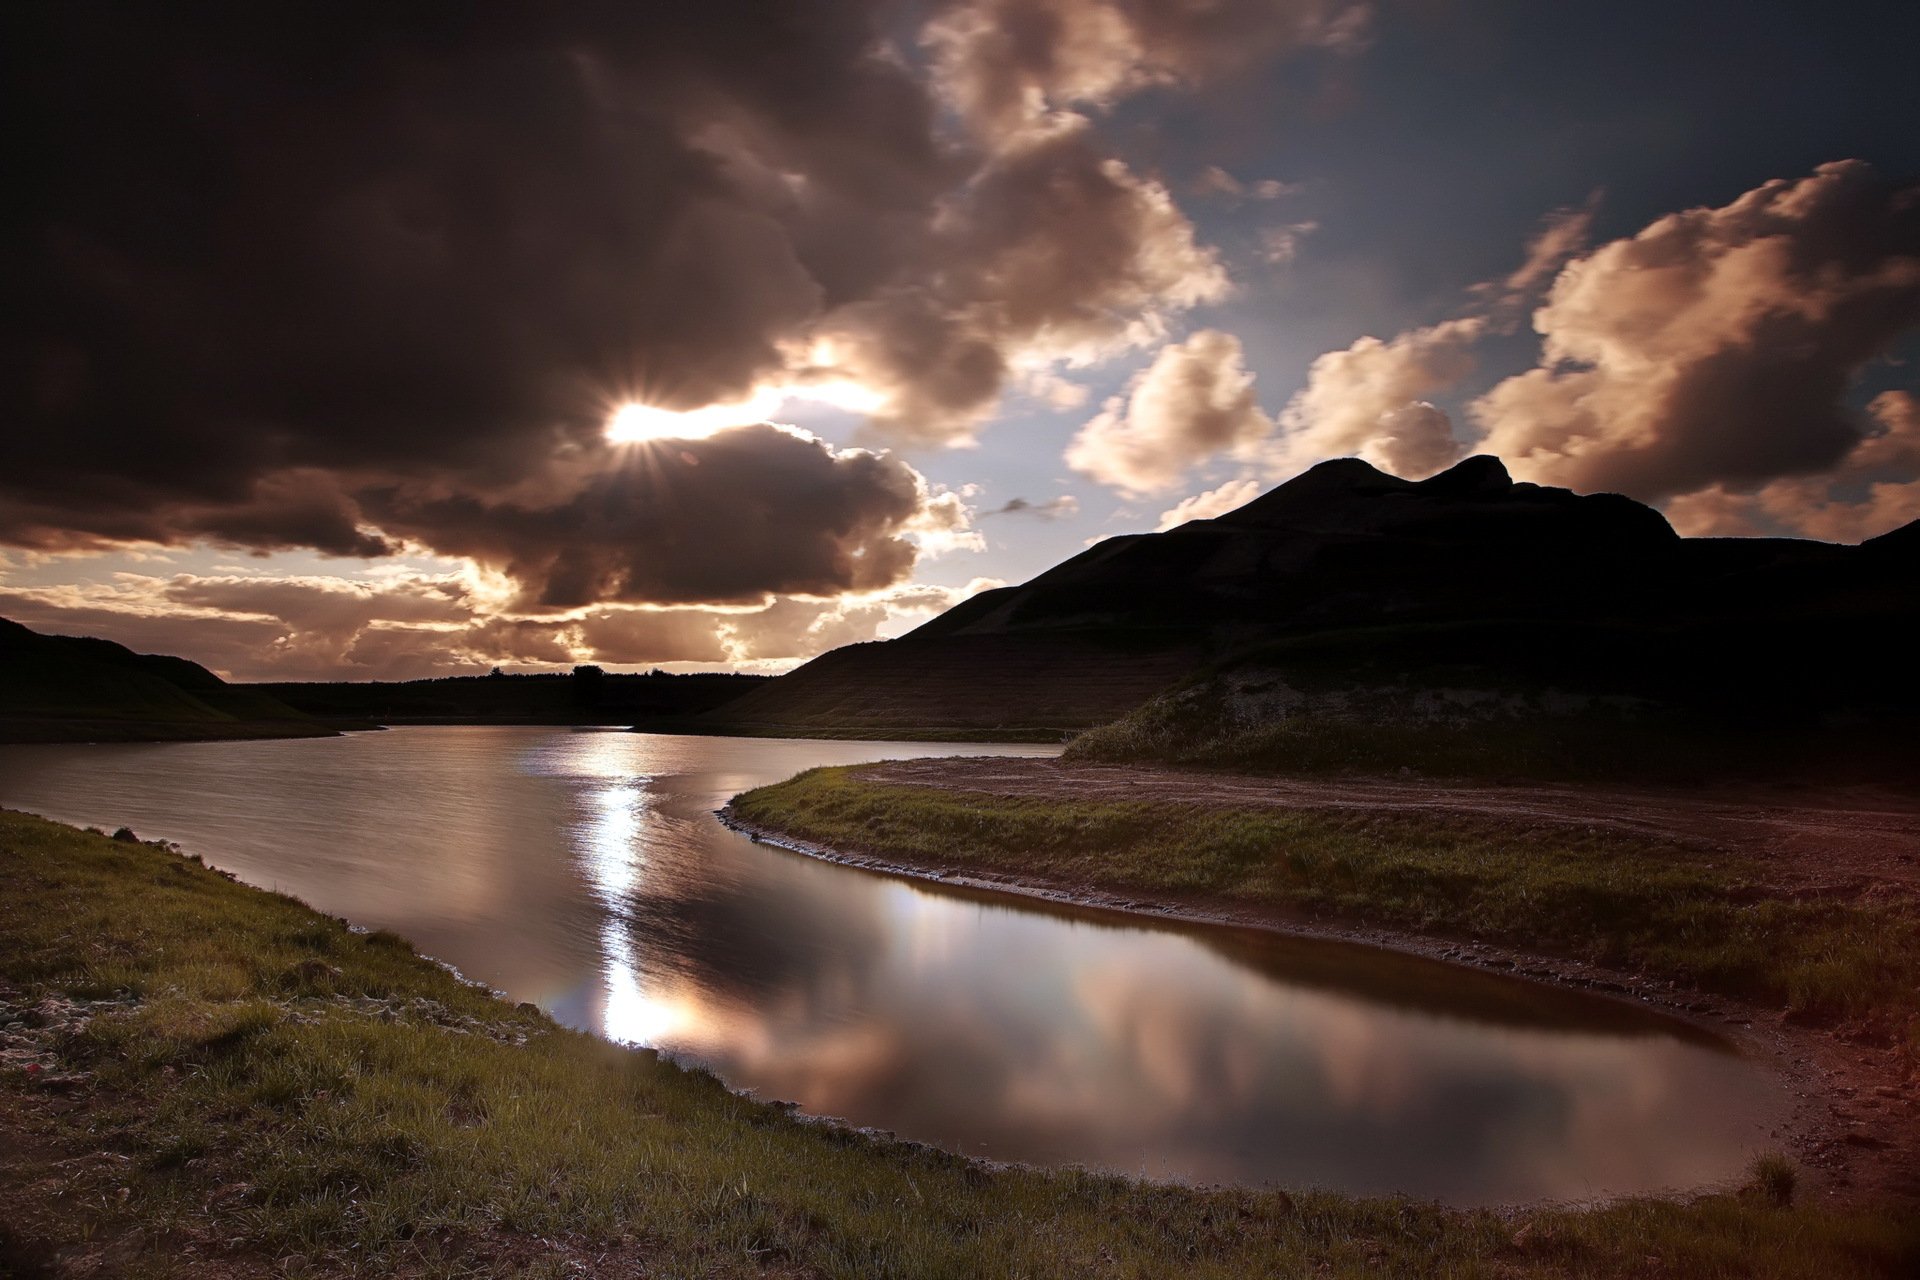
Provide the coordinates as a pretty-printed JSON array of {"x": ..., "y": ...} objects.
[
  {"x": 635, "y": 423},
  {"x": 639, "y": 423}
]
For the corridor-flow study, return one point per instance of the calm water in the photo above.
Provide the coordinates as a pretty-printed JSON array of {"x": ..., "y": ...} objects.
[{"x": 585, "y": 871}]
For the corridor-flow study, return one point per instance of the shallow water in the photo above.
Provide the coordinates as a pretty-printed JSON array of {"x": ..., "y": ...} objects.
[{"x": 584, "y": 870}]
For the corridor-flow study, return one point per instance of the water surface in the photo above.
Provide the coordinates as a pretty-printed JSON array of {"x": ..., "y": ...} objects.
[{"x": 584, "y": 870}]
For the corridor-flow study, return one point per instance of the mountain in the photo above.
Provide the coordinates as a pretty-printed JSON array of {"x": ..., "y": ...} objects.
[
  {"x": 1346, "y": 581},
  {"x": 70, "y": 689}
]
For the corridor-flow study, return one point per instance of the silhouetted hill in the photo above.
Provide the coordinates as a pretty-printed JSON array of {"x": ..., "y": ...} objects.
[
  {"x": 68, "y": 688},
  {"x": 1345, "y": 580},
  {"x": 587, "y": 696}
]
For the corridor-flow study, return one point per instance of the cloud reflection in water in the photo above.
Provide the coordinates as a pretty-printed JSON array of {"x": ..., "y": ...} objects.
[
  {"x": 585, "y": 871},
  {"x": 1059, "y": 1038}
]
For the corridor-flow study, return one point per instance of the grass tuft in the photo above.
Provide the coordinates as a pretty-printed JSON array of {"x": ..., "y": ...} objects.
[{"x": 1773, "y": 1177}]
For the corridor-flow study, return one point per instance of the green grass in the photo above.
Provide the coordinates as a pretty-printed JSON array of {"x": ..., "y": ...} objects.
[
  {"x": 1601, "y": 896},
  {"x": 266, "y": 1084}
]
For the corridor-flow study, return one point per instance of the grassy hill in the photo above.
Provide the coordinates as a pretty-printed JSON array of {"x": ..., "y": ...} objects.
[
  {"x": 1350, "y": 598},
  {"x": 67, "y": 689}
]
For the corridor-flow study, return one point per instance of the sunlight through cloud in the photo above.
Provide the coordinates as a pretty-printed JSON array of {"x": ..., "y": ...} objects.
[{"x": 634, "y": 422}]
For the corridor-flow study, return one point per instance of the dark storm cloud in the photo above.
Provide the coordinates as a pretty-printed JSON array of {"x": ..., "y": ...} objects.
[
  {"x": 298, "y": 507},
  {"x": 726, "y": 519},
  {"x": 273, "y": 259},
  {"x": 292, "y": 275}
]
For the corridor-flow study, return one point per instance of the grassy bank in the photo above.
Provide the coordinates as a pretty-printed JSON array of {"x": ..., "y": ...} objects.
[
  {"x": 1384, "y": 699},
  {"x": 205, "y": 1079},
  {"x": 1601, "y": 896}
]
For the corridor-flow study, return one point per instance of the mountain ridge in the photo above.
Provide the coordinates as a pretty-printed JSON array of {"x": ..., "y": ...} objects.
[{"x": 1345, "y": 549}]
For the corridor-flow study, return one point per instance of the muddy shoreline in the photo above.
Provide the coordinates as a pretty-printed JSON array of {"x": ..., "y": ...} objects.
[{"x": 1854, "y": 1117}]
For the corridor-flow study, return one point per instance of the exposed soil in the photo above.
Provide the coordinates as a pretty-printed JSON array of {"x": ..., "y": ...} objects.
[{"x": 1856, "y": 1124}]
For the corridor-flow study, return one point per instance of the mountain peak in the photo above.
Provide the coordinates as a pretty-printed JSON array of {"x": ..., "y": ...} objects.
[
  {"x": 1336, "y": 482},
  {"x": 1481, "y": 474}
]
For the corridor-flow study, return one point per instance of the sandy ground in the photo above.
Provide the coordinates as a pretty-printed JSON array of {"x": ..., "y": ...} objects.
[{"x": 1856, "y": 1122}]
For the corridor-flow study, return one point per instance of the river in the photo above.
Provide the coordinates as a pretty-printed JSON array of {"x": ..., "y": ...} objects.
[{"x": 585, "y": 871}]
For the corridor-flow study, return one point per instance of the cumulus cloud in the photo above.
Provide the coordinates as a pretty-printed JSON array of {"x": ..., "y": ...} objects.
[
  {"x": 411, "y": 626},
  {"x": 1193, "y": 403},
  {"x": 1562, "y": 235},
  {"x": 1009, "y": 65},
  {"x": 1215, "y": 181},
  {"x": 1056, "y": 251},
  {"x": 1371, "y": 401},
  {"x": 1707, "y": 363},
  {"x": 1214, "y": 502},
  {"x": 1717, "y": 347},
  {"x": 1875, "y": 488},
  {"x": 1281, "y": 245}
]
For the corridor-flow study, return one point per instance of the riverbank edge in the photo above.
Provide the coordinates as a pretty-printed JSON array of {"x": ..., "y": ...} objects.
[{"x": 1818, "y": 1070}]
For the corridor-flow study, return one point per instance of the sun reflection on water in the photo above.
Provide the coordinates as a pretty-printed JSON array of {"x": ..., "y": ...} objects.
[{"x": 614, "y": 854}]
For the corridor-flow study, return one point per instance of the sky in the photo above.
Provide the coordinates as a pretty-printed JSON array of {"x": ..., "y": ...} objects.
[{"x": 363, "y": 341}]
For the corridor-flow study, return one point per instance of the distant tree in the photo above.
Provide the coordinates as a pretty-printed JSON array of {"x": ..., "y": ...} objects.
[
  {"x": 496, "y": 674},
  {"x": 588, "y": 685}
]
